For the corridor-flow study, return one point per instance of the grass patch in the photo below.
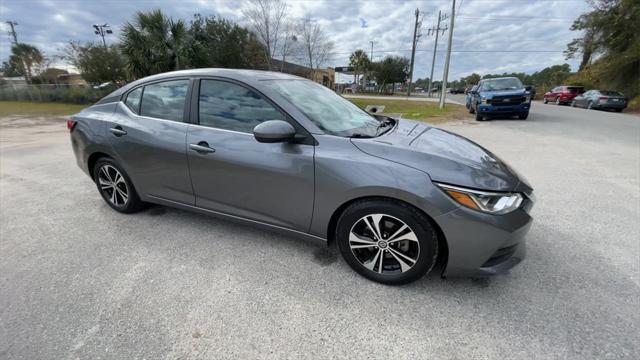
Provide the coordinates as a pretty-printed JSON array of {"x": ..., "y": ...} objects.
[
  {"x": 415, "y": 110},
  {"x": 26, "y": 108}
]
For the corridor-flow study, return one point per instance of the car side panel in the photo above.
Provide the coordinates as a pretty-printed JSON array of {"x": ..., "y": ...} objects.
[
  {"x": 153, "y": 153},
  {"x": 344, "y": 173},
  {"x": 88, "y": 136}
]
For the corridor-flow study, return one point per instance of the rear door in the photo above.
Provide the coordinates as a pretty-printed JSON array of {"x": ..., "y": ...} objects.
[
  {"x": 148, "y": 134},
  {"x": 233, "y": 173}
]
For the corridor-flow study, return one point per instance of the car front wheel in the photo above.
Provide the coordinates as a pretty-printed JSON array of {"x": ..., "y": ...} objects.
[
  {"x": 545, "y": 100},
  {"x": 115, "y": 187},
  {"x": 558, "y": 101},
  {"x": 387, "y": 241}
]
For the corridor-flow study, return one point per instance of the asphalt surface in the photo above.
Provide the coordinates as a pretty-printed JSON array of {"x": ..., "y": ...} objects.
[{"x": 78, "y": 280}]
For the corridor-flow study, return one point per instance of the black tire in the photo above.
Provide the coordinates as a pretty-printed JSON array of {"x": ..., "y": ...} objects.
[
  {"x": 523, "y": 116},
  {"x": 589, "y": 105},
  {"x": 573, "y": 103},
  {"x": 471, "y": 109},
  {"x": 132, "y": 203},
  {"x": 545, "y": 101},
  {"x": 558, "y": 101},
  {"x": 479, "y": 117},
  {"x": 618, "y": 110},
  {"x": 394, "y": 213}
]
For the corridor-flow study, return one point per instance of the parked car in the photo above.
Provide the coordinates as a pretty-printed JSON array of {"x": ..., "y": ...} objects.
[
  {"x": 500, "y": 97},
  {"x": 456, "y": 90},
  {"x": 287, "y": 154},
  {"x": 562, "y": 94},
  {"x": 532, "y": 90},
  {"x": 601, "y": 99},
  {"x": 469, "y": 97}
]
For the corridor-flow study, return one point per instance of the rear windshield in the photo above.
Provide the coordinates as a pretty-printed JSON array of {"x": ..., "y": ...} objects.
[
  {"x": 575, "y": 89},
  {"x": 610, "y": 93}
]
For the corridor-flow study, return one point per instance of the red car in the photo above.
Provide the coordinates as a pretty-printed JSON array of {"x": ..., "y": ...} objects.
[{"x": 562, "y": 94}]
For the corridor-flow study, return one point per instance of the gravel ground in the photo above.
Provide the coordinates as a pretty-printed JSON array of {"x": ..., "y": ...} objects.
[{"x": 79, "y": 280}]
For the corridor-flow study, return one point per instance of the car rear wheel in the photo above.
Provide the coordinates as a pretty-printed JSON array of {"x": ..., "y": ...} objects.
[
  {"x": 573, "y": 103},
  {"x": 115, "y": 187},
  {"x": 387, "y": 241},
  {"x": 471, "y": 109},
  {"x": 558, "y": 100},
  {"x": 589, "y": 105},
  {"x": 545, "y": 101}
]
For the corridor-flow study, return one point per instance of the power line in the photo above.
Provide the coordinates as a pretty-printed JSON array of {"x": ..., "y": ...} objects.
[{"x": 435, "y": 30}]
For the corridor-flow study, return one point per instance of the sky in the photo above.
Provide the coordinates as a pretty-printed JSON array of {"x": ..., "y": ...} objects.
[{"x": 490, "y": 36}]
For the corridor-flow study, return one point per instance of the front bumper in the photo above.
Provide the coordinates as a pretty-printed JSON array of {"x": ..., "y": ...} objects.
[
  {"x": 504, "y": 109},
  {"x": 481, "y": 244}
]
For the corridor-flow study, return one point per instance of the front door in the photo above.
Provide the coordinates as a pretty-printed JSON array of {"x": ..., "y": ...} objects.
[
  {"x": 234, "y": 174},
  {"x": 148, "y": 133}
]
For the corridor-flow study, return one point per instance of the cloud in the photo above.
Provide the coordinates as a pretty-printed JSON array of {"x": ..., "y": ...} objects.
[{"x": 489, "y": 36}]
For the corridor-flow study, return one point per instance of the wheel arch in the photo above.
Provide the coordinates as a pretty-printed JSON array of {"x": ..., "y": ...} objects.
[
  {"x": 93, "y": 158},
  {"x": 443, "y": 252}
]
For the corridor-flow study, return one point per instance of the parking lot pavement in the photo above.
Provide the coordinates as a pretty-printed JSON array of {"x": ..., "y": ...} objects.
[{"x": 78, "y": 280}]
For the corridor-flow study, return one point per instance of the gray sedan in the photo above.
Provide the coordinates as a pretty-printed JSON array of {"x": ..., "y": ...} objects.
[
  {"x": 289, "y": 155},
  {"x": 600, "y": 99}
]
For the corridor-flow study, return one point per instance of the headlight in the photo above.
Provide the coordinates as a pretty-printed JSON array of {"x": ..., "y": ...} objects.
[
  {"x": 486, "y": 101},
  {"x": 493, "y": 203},
  {"x": 527, "y": 98}
]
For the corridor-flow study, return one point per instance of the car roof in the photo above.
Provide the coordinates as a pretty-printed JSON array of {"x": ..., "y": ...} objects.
[{"x": 244, "y": 75}]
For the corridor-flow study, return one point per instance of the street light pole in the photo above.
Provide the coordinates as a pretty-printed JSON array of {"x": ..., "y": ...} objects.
[
  {"x": 446, "y": 63},
  {"x": 102, "y": 30}
]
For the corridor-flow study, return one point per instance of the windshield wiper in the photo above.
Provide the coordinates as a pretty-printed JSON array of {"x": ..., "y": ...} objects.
[{"x": 360, "y": 136}]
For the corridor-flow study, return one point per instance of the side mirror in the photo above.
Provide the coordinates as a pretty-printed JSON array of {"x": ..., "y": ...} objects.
[{"x": 274, "y": 131}]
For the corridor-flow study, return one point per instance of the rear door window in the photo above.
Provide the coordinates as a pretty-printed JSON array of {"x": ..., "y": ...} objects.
[
  {"x": 133, "y": 100},
  {"x": 165, "y": 100}
]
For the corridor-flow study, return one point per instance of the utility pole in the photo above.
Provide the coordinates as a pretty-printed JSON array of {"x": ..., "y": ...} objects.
[
  {"x": 12, "y": 32},
  {"x": 371, "y": 50},
  {"x": 435, "y": 30},
  {"x": 102, "y": 30},
  {"x": 446, "y": 63},
  {"x": 413, "y": 50}
]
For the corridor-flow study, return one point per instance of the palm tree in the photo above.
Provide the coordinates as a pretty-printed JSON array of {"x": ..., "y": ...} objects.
[
  {"x": 360, "y": 63},
  {"x": 24, "y": 57},
  {"x": 154, "y": 43}
]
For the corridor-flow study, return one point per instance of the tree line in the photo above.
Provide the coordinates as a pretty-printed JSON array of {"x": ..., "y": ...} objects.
[{"x": 153, "y": 42}]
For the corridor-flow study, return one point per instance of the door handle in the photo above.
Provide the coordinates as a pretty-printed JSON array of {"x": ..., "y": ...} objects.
[
  {"x": 202, "y": 147},
  {"x": 117, "y": 131}
]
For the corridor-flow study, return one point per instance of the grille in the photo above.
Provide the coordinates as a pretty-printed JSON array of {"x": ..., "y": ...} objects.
[
  {"x": 501, "y": 255},
  {"x": 507, "y": 100}
]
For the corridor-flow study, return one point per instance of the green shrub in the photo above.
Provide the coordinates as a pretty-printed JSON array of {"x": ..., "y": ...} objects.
[{"x": 69, "y": 95}]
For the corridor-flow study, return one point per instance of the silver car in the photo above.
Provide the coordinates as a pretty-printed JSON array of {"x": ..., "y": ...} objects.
[{"x": 287, "y": 154}]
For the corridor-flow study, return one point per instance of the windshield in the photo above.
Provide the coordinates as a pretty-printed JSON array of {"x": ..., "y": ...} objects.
[
  {"x": 329, "y": 111},
  {"x": 502, "y": 84},
  {"x": 610, "y": 93},
  {"x": 575, "y": 89}
]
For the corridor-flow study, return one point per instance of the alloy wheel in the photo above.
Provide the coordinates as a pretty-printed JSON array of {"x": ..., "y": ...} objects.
[
  {"x": 384, "y": 244},
  {"x": 113, "y": 185}
]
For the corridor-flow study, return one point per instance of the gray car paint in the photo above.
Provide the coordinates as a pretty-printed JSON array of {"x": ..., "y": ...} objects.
[{"x": 300, "y": 188}]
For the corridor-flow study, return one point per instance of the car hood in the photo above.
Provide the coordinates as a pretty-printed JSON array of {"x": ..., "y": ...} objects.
[
  {"x": 444, "y": 156},
  {"x": 490, "y": 94}
]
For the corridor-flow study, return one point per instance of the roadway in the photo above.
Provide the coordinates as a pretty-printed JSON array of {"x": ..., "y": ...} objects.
[{"x": 79, "y": 280}]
